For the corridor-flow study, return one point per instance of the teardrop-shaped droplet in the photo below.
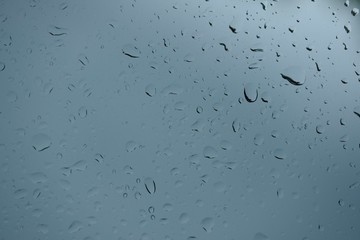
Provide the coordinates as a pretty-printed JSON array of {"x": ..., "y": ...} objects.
[
  {"x": 150, "y": 185},
  {"x": 250, "y": 92}
]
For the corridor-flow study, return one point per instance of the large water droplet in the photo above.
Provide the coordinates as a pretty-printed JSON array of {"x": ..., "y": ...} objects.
[
  {"x": 41, "y": 142},
  {"x": 355, "y": 11},
  {"x": 250, "y": 92},
  {"x": 295, "y": 75},
  {"x": 207, "y": 224},
  {"x": 279, "y": 154},
  {"x": 150, "y": 90},
  {"x": 209, "y": 152},
  {"x": 150, "y": 185},
  {"x": 131, "y": 51},
  {"x": 235, "y": 25}
]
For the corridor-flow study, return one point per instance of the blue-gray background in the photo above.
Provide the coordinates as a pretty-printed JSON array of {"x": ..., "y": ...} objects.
[{"x": 129, "y": 120}]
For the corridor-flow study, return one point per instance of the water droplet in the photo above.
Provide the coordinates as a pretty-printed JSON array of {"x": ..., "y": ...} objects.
[
  {"x": 99, "y": 158},
  {"x": 38, "y": 177},
  {"x": 137, "y": 195},
  {"x": 265, "y": 97},
  {"x": 209, "y": 152},
  {"x": 207, "y": 224},
  {"x": 295, "y": 75},
  {"x": 258, "y": 47},
  {"x": 79, "y": 166},
  {"x": 131, "y": 51},
  {"x": 2, "y": 66},
  {"x": 258, "y": 139},
  {"x": 82, "y": 112},
  {"x": 41, "y": 142},
  {"x": 151, "y": 209},
  {"x": 236, "y": 125},
  {"x": 150, "y": 90},
  {"x": 250, "y": 92},
  {"x": 189, "y": 58},
  {"x": 347, "y": 28},
  {"x": 235, "y": 25},
  {"x": 225, "y": 145},
  {"x": 320, "y": 129},
  {"x": 355, "y": 11},
  {"x": 344, "y": 138},
  {"x": 280, "y": 193},
  {"x": 150, "y": 185},
  {"x": 264, "y": 5},
  {"x": 279, "y": 154}
]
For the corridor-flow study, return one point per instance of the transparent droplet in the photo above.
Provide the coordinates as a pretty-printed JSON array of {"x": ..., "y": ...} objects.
[
  {"x": 225, "y": 145},
  {"x": 279, "y": 153},
  {"x": 150, "y": 185},
  {"x": 131, "y": 51},
  {"x": 347, "y": 28},
  {"x": 2, "y": 66},
  {"x": 344, "y": 138},
  {"x": 38, "y": 177},
  {"x": 137, "y": 195},
  {"x": 151, "y": 209},
  {"x": 236, "y": 125},
  {"x": 189, "y": 58},
  {"x": 265, "y": 97},
  {"x": 258, "y": 139},
  {"x": 320, "y": 129},
  {"x": 41, "y": 142},
  {"x": 235, "y": 25},
  {"x": 354, "y": 12},
  {"x": 296, "y": 75},
  {"x": 280, "y": 193},
  {"x": 250, "y": 92},
  {"x": 208, "y": 224},
  {"x": 209, "y": 152},
  {"x": 150, "y": 90}
]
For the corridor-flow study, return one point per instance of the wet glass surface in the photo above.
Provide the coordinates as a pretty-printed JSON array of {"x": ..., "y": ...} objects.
[{"x": 144, "y": 120}]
